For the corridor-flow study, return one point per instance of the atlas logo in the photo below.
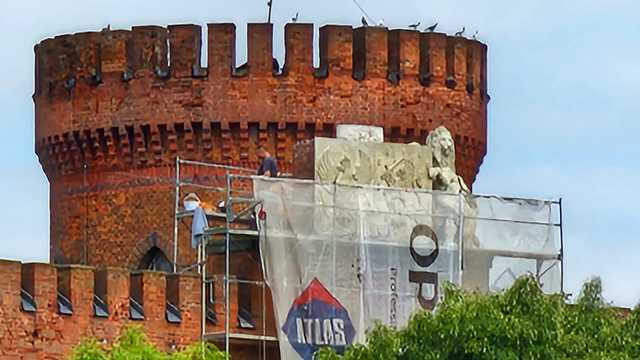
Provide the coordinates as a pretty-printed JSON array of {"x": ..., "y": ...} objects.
[{"x": 317, "y": 319}]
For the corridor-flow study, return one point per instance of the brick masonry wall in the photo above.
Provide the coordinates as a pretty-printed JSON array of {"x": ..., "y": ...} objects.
[
  {"x": 46, "y": 334},
  {"x": 111, "y": 100}
]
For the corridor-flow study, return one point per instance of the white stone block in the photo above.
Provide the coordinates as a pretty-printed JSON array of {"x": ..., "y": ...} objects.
[{"x": 362, "y": 133}]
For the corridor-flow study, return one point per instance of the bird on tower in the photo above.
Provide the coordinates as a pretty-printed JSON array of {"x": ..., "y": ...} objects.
[{"x": 432, "y": 28}]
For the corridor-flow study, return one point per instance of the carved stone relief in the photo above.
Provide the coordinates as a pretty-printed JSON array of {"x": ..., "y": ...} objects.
[
  {"x": 362, "y": 133},
  {"x": 365, "y": 163}
]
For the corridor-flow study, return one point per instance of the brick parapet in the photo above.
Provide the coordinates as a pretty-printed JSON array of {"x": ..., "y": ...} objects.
[
  {"x": 48, "y": 333},
  {"x": 131, "y": 99}
]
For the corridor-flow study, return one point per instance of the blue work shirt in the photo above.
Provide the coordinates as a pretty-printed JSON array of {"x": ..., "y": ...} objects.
[{"x": 269, "y": 163}]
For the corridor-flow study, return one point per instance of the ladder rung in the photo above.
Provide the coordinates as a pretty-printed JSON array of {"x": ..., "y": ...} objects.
[
  {"x": 220, "y": 336},
  {"x": 222, "y": 230},
  {"x": 216, "y": 230},
  {"x": 240, "y": 200}
]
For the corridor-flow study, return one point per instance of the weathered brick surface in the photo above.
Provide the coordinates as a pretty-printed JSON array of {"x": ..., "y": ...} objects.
[
  {"x": 113, "y": 110},
  {"x": 87, "y": 113},
  {"x": 46, "y": 334}
]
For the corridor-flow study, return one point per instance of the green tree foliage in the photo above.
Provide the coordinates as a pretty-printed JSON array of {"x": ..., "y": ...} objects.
[
  {"x": 520, "y": 323},
  {"x": 89, "y": 350},
  {"x": 132, "y": 344}
]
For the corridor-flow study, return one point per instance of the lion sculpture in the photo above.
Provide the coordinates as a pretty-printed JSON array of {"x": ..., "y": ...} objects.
[
  {"x": 443, "y": 170},
  {"x": 444, "y": 178}
]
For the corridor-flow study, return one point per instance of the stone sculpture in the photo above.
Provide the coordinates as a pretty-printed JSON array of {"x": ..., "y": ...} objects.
[
  {"x": 351, "y": 162},
  {"x": 344, "y": 166},
  {"x": 443, "y": 170},
  {"x": 444, "y": 178}
]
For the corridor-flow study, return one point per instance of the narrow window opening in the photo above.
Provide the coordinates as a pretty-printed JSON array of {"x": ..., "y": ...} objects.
[
  {"x": 245, "y": 316},
  {"x": 64, "y": 305},
  {"x": 173, "y": 314},
  {"x": 27, "y": 302},
  {"x": 100, "y": 307},
  {"x": 136, "y": 311},
  {"x": 211, "y": 306},
  {"x": 64, "y": 292},
  {"x": 136, "y": 305}
]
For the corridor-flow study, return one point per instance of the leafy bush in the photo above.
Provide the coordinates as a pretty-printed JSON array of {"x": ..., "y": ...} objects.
[
  {"x": 520, "y": 323},
  {"x": 89, "y": 350},
  {"x": 133, "y": 344}
]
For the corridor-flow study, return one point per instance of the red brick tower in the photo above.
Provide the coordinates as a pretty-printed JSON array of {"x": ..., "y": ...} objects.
[{"x": 114, "y": 109}]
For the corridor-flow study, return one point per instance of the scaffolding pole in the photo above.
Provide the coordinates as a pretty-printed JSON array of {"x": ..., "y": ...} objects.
[
  {"x": 227, "y": 255},
  {"x": 460, "y": 237},
  {"x": 561, "y": 248},
  {"x": 203, "y": 287},
  {"x": 175, "y": 217}
]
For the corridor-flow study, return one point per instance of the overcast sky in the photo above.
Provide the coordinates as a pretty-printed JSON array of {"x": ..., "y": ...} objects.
[{"x": 563, "y": 117}]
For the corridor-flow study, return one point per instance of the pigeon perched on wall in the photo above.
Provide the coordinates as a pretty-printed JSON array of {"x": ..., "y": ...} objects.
[
  {"x": 475, "y": 35},
  {"x": 162, "y": 73},
  {"x": 414, "y": 26},
  {"x": 432, "y": 28},
  {"x": 70, "y": 82},
  {"x": 364, "y": 22},
  {"x": 461, "y": 32},
  {"x": 295, "y": 18},
  {"x": 95, "y": 77},
  {"x": 127, "y": 74}
]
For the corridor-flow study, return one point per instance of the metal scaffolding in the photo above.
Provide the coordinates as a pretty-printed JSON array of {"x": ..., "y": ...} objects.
[
  {"x": 238, "y": 226},
  {"x": 238, "y": 230}
]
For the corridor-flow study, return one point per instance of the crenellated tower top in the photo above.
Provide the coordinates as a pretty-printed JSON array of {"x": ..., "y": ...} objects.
[{"x": 100, "y": 92}]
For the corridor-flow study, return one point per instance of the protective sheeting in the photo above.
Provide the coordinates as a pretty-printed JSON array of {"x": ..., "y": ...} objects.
[{"x": 341, "y": 257}]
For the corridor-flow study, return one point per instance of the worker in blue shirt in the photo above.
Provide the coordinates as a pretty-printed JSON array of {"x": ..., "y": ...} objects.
[{"x": 269, "y": 164}]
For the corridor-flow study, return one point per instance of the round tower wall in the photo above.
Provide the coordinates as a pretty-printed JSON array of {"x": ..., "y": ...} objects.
[{"x": 114, "y": 109}]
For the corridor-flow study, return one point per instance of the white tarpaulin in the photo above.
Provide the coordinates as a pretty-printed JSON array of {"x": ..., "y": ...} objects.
[{"x": 339, "y": 258}]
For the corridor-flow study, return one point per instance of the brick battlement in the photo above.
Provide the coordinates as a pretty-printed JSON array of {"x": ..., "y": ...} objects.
[
  {"x": 48, "y": 331},
  {"x": 122, "y": 99}
]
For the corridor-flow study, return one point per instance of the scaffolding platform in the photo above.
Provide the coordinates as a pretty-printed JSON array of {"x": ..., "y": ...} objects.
[
  {"x": 220, "y": 336},
  {"x": 239, "y": 240}
]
